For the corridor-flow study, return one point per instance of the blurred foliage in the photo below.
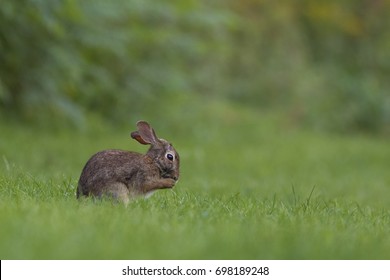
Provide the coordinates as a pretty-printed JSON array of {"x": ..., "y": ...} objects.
[
  {"x": 323, "y": 63},
  {"x": 68, "y": 57}
]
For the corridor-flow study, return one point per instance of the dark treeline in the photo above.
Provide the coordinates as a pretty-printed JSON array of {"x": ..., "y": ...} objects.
[{"x": 324, "y": 63}]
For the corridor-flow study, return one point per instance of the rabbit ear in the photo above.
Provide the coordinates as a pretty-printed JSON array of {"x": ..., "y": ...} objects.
[{"x": 145, "y": 134}]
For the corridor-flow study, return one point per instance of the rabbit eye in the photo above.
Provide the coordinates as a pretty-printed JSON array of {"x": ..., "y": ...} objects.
[{"x": 169, "y": 156}]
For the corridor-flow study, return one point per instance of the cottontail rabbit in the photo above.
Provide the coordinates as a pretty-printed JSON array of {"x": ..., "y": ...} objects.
[{"x": 123, "y": 174}]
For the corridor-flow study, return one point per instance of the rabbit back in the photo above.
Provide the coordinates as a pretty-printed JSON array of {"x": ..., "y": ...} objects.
[{"x": 115, "y": 172}]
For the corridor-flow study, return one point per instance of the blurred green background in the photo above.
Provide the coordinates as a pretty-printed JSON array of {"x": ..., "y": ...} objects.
[
  {"x": 280, "y": 111},
  {"x": 318, "y": 64}
]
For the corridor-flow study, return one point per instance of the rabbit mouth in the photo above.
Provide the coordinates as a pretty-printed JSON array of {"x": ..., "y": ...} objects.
[{"x": 167, "y": 175}]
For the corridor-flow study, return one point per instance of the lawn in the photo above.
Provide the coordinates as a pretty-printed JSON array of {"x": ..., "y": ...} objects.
[{"x": 252, "y": 187}]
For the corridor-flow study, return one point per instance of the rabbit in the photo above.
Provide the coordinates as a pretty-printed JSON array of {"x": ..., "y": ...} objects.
[{"x": 123, "y": 175}]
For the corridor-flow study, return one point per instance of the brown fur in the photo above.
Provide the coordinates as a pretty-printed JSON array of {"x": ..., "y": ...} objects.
[{"x": 122, "y": 174}]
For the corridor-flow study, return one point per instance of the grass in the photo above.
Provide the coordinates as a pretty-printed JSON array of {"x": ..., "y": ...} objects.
[{"x": 249, "y": 189}]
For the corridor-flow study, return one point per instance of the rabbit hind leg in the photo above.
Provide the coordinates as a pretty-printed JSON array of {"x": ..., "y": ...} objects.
[{"x": 118, "y": 192}]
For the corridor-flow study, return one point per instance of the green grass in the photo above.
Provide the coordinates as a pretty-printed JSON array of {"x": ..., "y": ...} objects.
[{"x": 251, "y": 187}]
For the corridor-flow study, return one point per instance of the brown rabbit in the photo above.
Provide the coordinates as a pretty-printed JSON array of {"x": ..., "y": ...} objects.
[{"x": 123, "y": 174}]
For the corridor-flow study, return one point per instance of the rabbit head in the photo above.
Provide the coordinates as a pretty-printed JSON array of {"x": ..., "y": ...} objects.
[{"x": 161, "y": 151}]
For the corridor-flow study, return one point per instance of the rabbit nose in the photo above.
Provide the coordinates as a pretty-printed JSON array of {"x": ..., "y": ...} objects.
[{"x": 174, "y": 178}]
